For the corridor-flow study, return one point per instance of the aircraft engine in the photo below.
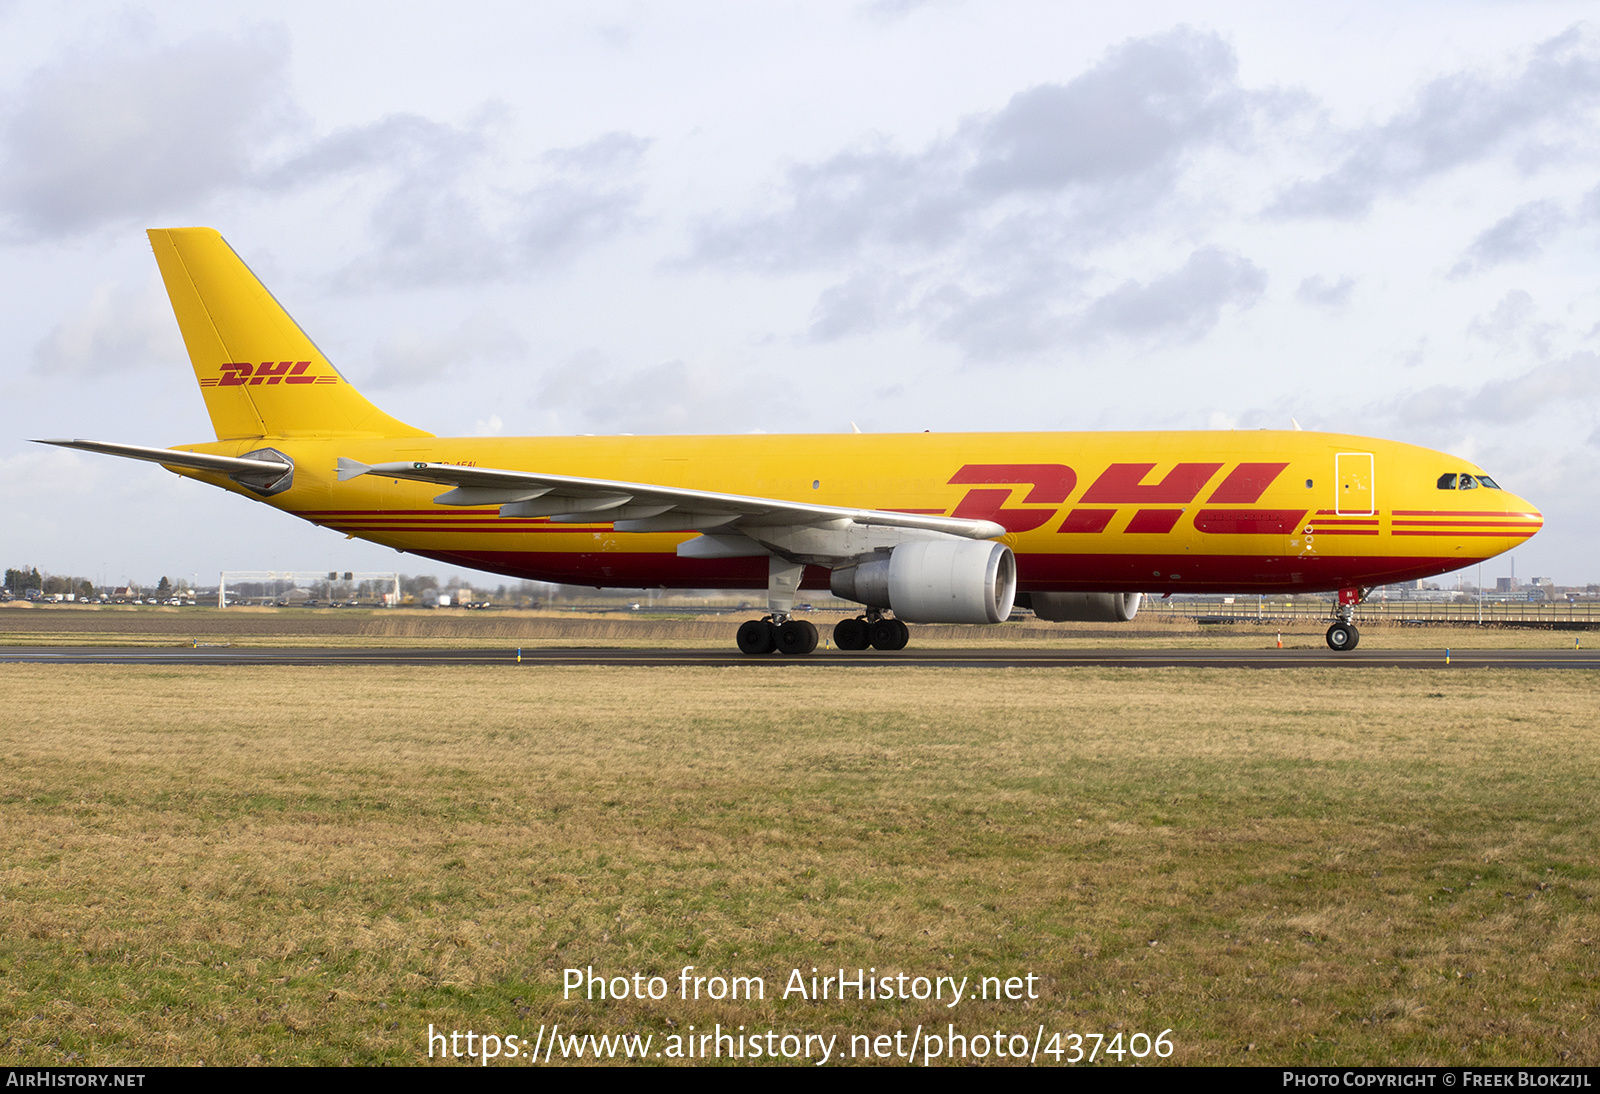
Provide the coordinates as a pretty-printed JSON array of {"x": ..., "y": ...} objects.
[
  {"x": 1084, "y": 607},
  {"x": 936, "y": 581}
]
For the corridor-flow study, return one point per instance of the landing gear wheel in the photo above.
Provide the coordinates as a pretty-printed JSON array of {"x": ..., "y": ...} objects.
[
  {"x": 889, "y": 634},
  {"x": 797, "y": 636},
  {"x": 757, "y": 636},
  {"x": 1343, "y": 637},
  {"x": 851, "y": 634}
]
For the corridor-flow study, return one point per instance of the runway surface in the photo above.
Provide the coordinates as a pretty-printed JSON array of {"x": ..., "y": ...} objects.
[{"x": 911, "y": 658}]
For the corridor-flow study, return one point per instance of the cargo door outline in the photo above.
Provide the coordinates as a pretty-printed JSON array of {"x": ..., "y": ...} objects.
[{"x": 1356, "y": 493}]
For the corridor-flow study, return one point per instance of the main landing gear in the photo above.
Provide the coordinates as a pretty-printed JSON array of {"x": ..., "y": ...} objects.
[
  {"x": 780, "y": 631},
  {"x": 799, "y": 636},
  {"x": 1343, "y": 636},
  {"x": 791, "y": 636},
  {"x": 872, "y": 629}
]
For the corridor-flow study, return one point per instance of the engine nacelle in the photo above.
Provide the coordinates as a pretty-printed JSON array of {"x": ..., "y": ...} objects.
[
  {"x": 1084, "y": 607},
  {"x": 936, "y": 581}
]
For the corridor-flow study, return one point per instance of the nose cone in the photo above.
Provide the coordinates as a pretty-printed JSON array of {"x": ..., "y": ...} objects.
[{"x": 1522, "y": 517}]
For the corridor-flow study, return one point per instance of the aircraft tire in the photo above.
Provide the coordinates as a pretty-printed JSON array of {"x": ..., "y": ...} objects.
[
  {"x": 889, "y": 634},
  {"x": 797, "y": 637},
  {"x": 1343, "y": 637},
  {"x": 757, "y": 636},
  {"x": 851, "y": 634}
]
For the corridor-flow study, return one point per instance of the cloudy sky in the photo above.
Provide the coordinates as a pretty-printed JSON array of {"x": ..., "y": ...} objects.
[{"x": 726, "y": 217}]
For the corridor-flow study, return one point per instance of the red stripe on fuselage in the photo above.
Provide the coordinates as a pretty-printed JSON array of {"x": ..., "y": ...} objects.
[
  {"x": 1065, "y": 572},
  {"x": 1248, "y": 522}
]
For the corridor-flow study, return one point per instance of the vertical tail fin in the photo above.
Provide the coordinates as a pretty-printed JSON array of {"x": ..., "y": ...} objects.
[{"x": 259, "y": 373}]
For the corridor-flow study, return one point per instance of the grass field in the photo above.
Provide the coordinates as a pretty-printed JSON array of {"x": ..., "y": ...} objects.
[
  {"x": 313, "y": 865},
  {"x": 129, "y": 626}
]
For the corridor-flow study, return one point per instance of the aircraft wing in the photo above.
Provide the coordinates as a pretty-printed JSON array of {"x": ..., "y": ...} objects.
[{"x": 645, "y": 507}]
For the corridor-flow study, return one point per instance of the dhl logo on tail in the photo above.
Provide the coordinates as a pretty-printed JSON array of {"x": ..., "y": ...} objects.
[{"x": 288, "y": 372}]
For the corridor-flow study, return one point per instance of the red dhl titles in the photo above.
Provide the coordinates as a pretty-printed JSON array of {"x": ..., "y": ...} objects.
[
  {"x": 1123, "y": 483},
  {"x": 237, "y": 374}
]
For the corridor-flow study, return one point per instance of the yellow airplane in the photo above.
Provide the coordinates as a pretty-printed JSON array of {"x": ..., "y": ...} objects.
[{"x": 920, "y": 528}]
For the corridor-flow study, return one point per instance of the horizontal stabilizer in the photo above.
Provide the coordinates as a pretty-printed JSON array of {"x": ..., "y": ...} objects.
[
  {"x": 168, "y": 457},
  {"x": 349, "y": 469}
]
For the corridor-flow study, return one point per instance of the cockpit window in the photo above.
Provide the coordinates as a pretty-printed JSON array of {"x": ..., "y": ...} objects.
[
  {"x": 1468, "y": 483},
  {"x": 1485, "y": 480},
  {"x": 1447, "y": 482}
]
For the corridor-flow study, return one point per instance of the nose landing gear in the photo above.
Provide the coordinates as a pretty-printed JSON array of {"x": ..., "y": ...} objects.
[{"x": 1343, "y": 636}]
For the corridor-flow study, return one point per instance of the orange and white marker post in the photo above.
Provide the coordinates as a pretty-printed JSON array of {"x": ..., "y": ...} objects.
[{"x": 1280, "y": 640}]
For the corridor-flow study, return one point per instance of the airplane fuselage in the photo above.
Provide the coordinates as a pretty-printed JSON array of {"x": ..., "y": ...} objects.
[{"x": 1218, "y": 511}]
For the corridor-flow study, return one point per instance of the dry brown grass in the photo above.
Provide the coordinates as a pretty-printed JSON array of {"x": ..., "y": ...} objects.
[{"x": 263, "y": 864}]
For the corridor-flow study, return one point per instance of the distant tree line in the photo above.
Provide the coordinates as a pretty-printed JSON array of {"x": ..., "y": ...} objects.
[{"x": 19, "y": 582}]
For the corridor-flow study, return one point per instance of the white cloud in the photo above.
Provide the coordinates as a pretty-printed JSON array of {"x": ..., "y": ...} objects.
[
  {"x": 120, "y": 330},
  {"x": 1571, "y": 380},
  {"x": 1516, "y": 237},
  {"x": 982, "y": 237},
  {"x": 1460, "y": 119},
  {"x": 1183, "y": 304},
  {"x": 113, "y": 136},
  {"x": 441, "y": 222},
  {"x": 1513, "y": 322},
  {"x": 411, "y": 357},
  {"x": 1323, "y": 293},
  {"x": 590, "y": 394},
  {"x": 1106, "y": 144},
  {"x": 122, "y": 135}
]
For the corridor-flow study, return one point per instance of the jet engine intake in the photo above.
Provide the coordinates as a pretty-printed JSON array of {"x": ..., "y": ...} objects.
[
  {"x": 1083, "y": 607},
  {"x": 935, "y": 581}
]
